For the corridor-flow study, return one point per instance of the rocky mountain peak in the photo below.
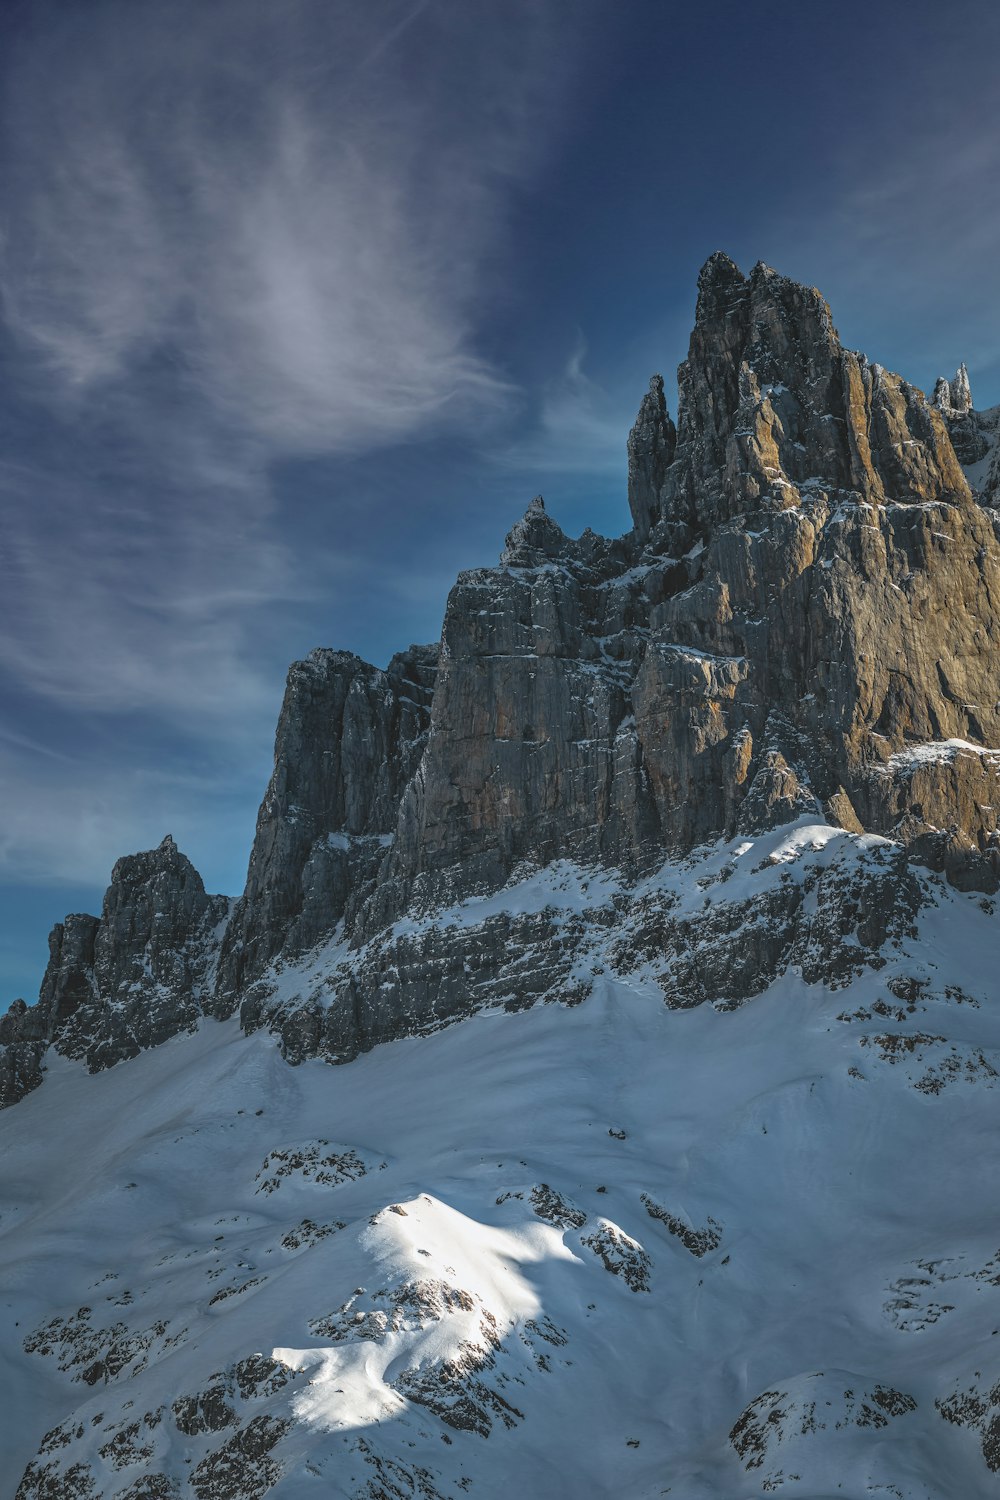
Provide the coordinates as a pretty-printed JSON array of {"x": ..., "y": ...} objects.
[
  {"x": 954, "y": 397},
  {"x": 807, "y": 592},
  {"x": 721, "y": 286},
  {"x": 771, "y": 405},
  {"x": 348, "y": 741},
  {"x": 744, "y": 762},
  {"x": 151, "y": 864},
  {"x": 975, "y": 435},
  {"x": 119, "y": 983},
  {"x": 534, "y": 540},
  {"x": 651, "y": 447}
]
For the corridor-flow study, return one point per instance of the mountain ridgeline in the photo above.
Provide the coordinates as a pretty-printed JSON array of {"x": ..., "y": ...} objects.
[{"x": 802, "y": 621}]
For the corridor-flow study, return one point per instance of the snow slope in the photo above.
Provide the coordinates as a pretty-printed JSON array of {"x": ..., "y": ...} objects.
[{"x": 586, "y": 1250}]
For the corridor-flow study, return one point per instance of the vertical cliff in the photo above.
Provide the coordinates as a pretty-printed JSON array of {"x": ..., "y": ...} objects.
[
  {"x": 803, "y": 619},
  {"x": 348, "y": 742},
  {"x": 124, "y": 981}
]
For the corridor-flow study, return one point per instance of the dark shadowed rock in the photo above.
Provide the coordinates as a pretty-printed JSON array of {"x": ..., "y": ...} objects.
[
  {"x": 651, "y": 446},
  {"x": 154, "y": 953},
  {"x": 809, "y": 599},
  {"x": 349, "y": 739},
  {"x": 69, "y": 977},
  {"x": 68, "y": 983},
  {"x": 122, "y": 982}
]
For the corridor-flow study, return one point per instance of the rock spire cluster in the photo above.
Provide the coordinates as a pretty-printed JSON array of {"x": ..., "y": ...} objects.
[{"x": 803, "y": 619}]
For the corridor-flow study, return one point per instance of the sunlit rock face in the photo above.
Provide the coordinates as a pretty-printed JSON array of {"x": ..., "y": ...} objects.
[
  {"x": 974, "y": 435},
  {"x": 696, "y": 832},
  {"x": 802, "y": 621},
  {"x": 809, "y": 583},
  {"x": 769, "y": 402}
]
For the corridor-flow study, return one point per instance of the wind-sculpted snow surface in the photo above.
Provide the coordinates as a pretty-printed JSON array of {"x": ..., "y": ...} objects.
[{"x": 611, "y": 1245}]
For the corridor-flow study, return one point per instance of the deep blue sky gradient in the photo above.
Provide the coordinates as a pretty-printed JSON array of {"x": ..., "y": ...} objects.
[{"x": 300, "y": 305}]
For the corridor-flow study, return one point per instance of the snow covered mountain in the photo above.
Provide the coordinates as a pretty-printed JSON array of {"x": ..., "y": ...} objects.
[{"x": 695, "y": 832}]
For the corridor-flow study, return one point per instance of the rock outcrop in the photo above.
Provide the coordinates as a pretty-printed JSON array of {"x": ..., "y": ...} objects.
[
  {"x": 975, "y": 435},
  {"x": 770, "y": 404},
  {"x": 651, "y": 447},
  {"x": 124, "y": 981},
  {"x": 802, "y": 621},
  {"x": 809, "y": 585},
  {"x": 154, "y": 954},
  {"x": 349, "y": 739}
]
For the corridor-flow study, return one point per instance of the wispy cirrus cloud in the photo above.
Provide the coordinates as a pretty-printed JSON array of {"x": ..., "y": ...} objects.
[
  {"x": 233, "y": 235},
  {"x": 579, "y": 426},
  {"x": 53, "y": 835},
  {"x": 290, "y": 204}
]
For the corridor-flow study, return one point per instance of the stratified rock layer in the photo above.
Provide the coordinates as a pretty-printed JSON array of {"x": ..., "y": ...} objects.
[
  {"x": 349, "y": 739},
  {"x": 803, "y": 620},
  {"x": 124, "y": 981},
  {"x": 975, "y": 435}
]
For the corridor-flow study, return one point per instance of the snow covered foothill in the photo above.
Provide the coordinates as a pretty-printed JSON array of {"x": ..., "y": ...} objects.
[{"x": 613, "y": 1247}]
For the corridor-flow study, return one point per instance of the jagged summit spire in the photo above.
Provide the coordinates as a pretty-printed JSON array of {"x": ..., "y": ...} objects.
[
  {"x": 954, "y": 397},
  {"x": 718, "y": 280},
  {"x": 771, "y": 406},
  {"x": 534, "y": 538},
  {"x": 719, "y": 270},
  {"x": 961, "y": 391},
  {"x": 651, "y": 446}
]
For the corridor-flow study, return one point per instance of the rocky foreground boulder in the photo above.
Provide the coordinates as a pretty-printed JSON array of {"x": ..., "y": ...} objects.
[{"x": 803, "y": 620}]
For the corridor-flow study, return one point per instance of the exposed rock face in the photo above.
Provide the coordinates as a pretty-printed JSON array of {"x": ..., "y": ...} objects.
[
  {"x": 805, "y": 1412},
  {"x": 349, "y": 739},
  {"x": 122, "y": 982},
  {"x": 810, "y": 593},
  {"x": 686, "y": 931},
  {"x": 974, "y": 434},
  {"x": 954, "y": 397},
  {"x": 68, "y": 983},
  {"x": 817, "y": 590},
  {"x": 524, "y": 755},
  {"x": 154, "y": 952},
  {"x": 69, "y": 978},
  {"x": 770, "y": 403},
  {"x": 21, "y": 1053},
  {"x": 651, "y": 447}
]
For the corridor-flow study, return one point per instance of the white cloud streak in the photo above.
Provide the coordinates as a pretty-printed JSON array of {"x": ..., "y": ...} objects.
[
  {"x": 580, "y": 427},
  {"x": 236, "y": 232},
  {"x": 293, "y": 202},
  {"x": 232, "y": 233},
  {"x": 53, "y": 835}
]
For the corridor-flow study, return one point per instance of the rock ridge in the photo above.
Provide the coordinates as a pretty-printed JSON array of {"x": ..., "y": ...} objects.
[
  {"x": 801, "y": 623},
  {"x": 124, "y": 981}
]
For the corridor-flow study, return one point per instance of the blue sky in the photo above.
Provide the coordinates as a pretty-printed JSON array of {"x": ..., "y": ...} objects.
[{"x": 300, "y": 304}]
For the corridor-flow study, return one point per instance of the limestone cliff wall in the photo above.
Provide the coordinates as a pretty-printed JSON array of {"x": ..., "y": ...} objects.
[{"x": 804, "y": 617}]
